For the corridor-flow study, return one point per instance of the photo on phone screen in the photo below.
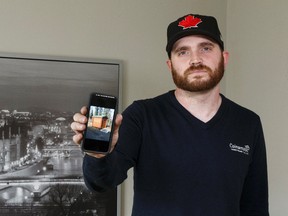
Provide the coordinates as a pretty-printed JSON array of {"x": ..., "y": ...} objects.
[{"x": 101, "y": 115}]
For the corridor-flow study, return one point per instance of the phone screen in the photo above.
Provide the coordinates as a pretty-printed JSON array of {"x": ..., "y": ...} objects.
[{"x": 99, "y": 129}]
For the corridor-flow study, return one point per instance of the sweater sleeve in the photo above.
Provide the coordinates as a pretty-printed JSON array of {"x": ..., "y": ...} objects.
[
  {"x": 104, "y": 173},
  {"x": 110, "y": 171},
  {"x": 254, "y": 199}
]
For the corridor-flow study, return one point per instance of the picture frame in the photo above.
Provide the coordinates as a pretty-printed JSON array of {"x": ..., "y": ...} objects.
[{"x": 40, "y": 166}]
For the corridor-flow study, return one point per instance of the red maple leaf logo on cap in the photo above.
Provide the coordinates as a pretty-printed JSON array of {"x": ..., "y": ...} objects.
[{"x": 190, "y": 22}]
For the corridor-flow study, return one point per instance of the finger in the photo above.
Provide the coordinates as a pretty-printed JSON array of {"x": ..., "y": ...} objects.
[
  {"x": 77, "y": 138},
  {"x": 78, "y": 127},
  {"x": 84, "y": 110},
  {"x": 118, "y": 122},
  {"x": 80, "y": 118}
]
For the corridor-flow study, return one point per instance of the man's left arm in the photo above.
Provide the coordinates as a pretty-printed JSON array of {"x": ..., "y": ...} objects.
[{"x": 254, "y": 199}]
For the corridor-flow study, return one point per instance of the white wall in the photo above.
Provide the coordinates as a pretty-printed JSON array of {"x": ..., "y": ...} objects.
[{"x": 257, "y": 37}]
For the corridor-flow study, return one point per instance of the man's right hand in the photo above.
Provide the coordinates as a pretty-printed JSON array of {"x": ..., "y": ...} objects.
[{"x": 79, "y": 125}]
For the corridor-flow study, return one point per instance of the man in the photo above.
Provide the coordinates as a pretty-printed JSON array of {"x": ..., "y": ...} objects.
[{"x": 194, "y": 152}]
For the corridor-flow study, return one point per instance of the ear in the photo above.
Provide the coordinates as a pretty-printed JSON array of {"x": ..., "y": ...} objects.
[
  {"x": 226, "y": 57},
  {"x": 169, "y": 64}
]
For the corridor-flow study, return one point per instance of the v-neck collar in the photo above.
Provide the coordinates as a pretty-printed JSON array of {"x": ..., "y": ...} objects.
[{"x": 195, "y": 120}]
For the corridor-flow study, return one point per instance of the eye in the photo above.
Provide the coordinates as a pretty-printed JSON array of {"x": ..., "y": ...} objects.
[
  {"x": 183, "y": 53},
  {"x": 207, "y": 48}
]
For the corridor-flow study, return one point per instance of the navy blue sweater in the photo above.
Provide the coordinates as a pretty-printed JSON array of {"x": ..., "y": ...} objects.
[{"x": 183, "y": 166}]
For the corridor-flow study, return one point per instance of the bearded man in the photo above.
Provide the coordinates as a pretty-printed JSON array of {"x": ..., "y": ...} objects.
[{"x": 194, "y": 151}]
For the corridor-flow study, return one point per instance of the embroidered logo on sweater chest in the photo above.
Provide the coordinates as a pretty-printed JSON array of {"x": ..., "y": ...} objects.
[{"x": 244, "y": 150}]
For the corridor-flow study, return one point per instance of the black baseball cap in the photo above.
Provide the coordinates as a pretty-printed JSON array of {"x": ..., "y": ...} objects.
[{"x": 193, "y": 24}]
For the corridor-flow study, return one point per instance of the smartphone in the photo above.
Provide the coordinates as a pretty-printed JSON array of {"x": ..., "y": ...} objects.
[{"x": 101, "y": 115}]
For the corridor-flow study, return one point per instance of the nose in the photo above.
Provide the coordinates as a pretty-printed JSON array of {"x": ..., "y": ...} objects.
[{"x": 195, "y": 60}]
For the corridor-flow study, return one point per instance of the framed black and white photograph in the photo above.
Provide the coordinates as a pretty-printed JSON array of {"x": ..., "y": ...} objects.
[{"x": 40, "y": 166}]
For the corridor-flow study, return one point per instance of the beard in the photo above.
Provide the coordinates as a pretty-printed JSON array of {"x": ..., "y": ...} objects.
[{"x": 199, "y": 84}]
